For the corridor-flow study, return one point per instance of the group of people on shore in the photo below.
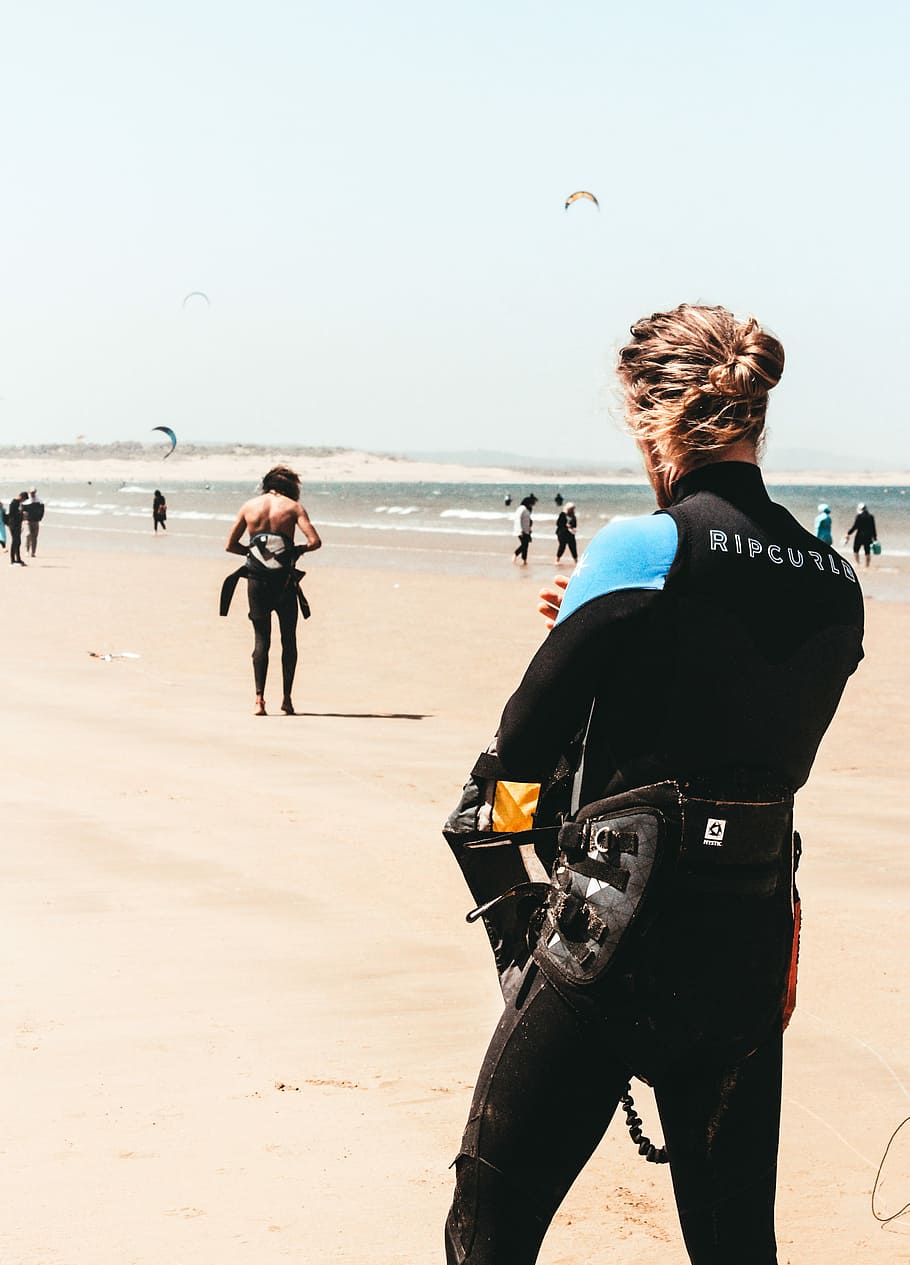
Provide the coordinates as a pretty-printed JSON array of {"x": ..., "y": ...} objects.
[
  {"x": 863, "y": 531},
  {"x": 25, "y": 510},
  {"x": 566, "y": 527}
]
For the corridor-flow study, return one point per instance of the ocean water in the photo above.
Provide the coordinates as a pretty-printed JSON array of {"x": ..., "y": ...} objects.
[{"x": 461, "y": 528}]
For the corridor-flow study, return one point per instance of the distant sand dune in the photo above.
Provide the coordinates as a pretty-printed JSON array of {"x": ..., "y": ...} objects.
[{"x": 196, "y": 464}]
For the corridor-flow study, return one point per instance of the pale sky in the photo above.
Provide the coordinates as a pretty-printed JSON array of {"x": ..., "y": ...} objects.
[{"x": 372, "y": 197}]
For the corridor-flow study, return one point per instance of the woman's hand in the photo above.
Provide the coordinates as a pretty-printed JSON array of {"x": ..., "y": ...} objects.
[{"x": 551, "y": 599}]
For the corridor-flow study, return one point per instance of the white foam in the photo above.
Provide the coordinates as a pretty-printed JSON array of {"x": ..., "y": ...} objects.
[
  {"x": 199, "y": 516},
  {"x": 414, "y": 529},
  {"x": 484, "y": 515}
]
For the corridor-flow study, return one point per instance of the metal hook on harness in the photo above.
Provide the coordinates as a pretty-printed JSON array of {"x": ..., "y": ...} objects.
[{"x": 520, "y": 889}]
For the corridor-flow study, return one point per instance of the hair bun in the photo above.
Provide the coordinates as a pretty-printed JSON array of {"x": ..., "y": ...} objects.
[
  {"x": 754, "y": 366},
  {"x": 729, "y": 379},
  {"x": 696, "y": 380}
]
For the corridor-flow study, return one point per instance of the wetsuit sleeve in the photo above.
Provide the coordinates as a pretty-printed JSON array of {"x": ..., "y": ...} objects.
[{"x": 621, "y": 574}]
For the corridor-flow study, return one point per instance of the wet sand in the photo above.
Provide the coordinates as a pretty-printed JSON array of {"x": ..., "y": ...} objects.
[{"x": 243, "y": 1012}]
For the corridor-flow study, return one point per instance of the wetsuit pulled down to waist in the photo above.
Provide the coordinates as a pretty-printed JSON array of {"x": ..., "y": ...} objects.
[{"x": 272, "y": 579}]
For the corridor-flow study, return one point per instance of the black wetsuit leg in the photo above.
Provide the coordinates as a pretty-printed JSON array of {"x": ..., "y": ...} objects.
[
  {"x": 522, "y": 551},
  {"x": 287, "y": 622},
  {"x": 15, "y": 545},
  {"x": 262, "y": 641},
  {"x": 528, "y": 1138},
  {"x": 264, "y": 595},
  {"x": 267, "y": 594},
  {"x": 721, "y": 1123}
]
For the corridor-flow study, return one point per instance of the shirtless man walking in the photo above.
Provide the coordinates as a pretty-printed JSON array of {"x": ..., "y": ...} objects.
[{"x": 272, "y": 582}]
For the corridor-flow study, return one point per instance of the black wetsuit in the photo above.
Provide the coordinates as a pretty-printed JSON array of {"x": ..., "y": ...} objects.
[
  {"x": 565, "y": 534},
  {"x": 864, "y": 526},
  {"x": 14, "y": 522},
  {"x": 32, "y": 514},
  {"x": 273, "y": 588},
  {"x": 273, "y": 584},
  {"x": 708, "y": 644}
]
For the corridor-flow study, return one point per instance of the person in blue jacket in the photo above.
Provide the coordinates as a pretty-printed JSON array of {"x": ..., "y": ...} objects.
[
  {"x": 823, "y": 524},
  {"x": 695, "y": 661}
]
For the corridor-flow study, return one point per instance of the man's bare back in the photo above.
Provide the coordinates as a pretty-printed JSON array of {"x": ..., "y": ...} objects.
[{"x": 272, "y": 512}]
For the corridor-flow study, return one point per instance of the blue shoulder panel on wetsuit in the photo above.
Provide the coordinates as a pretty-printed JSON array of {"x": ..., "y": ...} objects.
[{"x": 633, "y": 553}]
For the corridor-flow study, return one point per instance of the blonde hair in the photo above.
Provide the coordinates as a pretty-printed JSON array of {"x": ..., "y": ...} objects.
[{"x": 696, "y": 380}]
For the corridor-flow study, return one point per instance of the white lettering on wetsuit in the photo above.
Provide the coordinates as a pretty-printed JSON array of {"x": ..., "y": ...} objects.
[{"x": 719, "y": 541}]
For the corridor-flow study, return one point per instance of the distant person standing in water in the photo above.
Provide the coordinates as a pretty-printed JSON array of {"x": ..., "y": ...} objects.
[
  {"x": 523, "y": 524},
  {"x": 159, "y": 510},
  {"x": 273, "y": 583},
  {"x": 32, "y": 512},
  {"x": 566, "y": 523},
  {"x": 865, "y": 533},
  {"x": 14, "y": 522},
  {"x": 823, "y": 524}
]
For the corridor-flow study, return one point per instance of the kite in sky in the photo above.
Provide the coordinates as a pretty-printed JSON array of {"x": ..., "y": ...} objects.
[
  {"x": 197, "y": 294},
  {"x": 171, "y": 436},
  {"x": 573, "y": 197}
]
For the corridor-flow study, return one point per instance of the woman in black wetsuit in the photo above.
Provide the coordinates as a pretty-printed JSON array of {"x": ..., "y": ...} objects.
[
  {"x": 159, "y": 511},
  {"x": 702, "y": 652}
]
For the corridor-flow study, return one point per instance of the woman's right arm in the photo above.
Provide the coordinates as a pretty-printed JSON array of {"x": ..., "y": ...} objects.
[{"x": 623, "y": 573}]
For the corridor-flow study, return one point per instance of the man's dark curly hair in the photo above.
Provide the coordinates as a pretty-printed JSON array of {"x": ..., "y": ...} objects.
[{"x": 284, "y": 480}]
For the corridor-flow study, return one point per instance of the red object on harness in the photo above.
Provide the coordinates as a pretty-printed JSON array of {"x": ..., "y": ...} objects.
[{"x": 790, "y": 996}]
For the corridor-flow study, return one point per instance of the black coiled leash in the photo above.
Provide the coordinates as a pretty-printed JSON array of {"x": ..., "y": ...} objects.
[{"x": 653, "y": 1154}]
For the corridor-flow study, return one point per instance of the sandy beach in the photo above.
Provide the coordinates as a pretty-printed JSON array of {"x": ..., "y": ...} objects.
[{"x": 243, "y": 1011}]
